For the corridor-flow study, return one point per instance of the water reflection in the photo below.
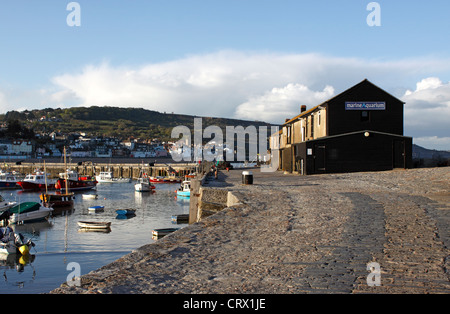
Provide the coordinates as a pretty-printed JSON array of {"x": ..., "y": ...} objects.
[{"x": 60, "y": 241}]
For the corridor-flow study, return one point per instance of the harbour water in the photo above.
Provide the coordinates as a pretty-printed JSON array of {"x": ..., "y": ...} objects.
[{"x": 60, "y": 241}]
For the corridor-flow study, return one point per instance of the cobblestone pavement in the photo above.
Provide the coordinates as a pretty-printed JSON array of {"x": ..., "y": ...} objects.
[{"x": 301, "y": 234}]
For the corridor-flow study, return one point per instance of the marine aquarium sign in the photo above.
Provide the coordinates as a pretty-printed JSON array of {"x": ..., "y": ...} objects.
[{"x": 364, "y": 105}]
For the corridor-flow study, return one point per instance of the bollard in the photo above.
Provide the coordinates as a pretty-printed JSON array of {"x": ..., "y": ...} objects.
[{"x": 247, "y": 177}]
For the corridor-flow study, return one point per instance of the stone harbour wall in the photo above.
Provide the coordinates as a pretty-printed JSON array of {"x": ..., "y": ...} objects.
[{"x": 300, "y": 234}]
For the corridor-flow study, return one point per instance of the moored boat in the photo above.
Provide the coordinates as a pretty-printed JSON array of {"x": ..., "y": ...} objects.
[
  {"x": 37, "y": 182},
  {"x": 185, "y": 189},
  {"x": 5, "y": 205},
  {"x": 159, "y": 233},
  {"x": 28, "y": 212},
  {"x": 180, "y": 219},
  {"x": 107, "y": 177},
  {"x": 125, "y": 211},
  {"x": 13, "y": 243},
  {"x": 89, "y": 196},
  {"x": 8, "y": 181},
  {"x": 96, "y": 209},
  {"x": 94, "y": 225},
  {"x": 63, "y": 200},
  {"x": 160, "y": 179},
  {"x": 144, "y": 185},
  {"x": 75, "y": 182}
]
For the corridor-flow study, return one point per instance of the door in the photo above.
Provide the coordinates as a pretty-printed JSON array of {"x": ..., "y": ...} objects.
[
  {"x": 399, "y": 154},
  {"x": 319, "y": 158}
]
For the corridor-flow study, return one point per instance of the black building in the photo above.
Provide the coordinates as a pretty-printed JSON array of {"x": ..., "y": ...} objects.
[{"x": 360, "y": 129}]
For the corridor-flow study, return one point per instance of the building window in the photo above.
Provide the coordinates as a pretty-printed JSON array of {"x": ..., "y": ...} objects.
[{"x": 365, "y": 116}]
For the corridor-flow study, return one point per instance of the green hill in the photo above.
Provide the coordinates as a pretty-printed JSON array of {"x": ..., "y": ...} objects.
[{"x": 113, "y": 121}]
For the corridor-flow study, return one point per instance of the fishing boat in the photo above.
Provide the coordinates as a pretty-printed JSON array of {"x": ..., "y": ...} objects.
[
  {"x": 185, "y": 189},
  {"x": 8, "y": 181},
  {"x": 75, "y": 181},
  {"x": 13, "y": 243},
  {"x": 59, "y": 200},
  {"x": 37, "y": 181},
  {"x": 94, "y": 225},
  {"x": 28, "y": 212},
  {"x": 159, "y": 233},
  {"x": 63, "y": 200},
  {"x": 107, "y": 177},
  {"x": 144, "y": 185},
  {"x": 96, "y": 209},
  {"x": 125, "y": 212},
  {"x": 161, "y": 179}
]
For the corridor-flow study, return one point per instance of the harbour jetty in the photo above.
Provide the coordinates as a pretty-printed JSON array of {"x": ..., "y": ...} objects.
[
  {"x": 120, "y": 169},
  {"x": 287, "y": 234}
]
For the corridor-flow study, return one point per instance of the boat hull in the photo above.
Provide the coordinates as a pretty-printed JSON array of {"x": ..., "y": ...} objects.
[
  {"x": 80, "y": 185},
  {"x": 8, "y": 185},
  {"x": 32, "y": 186},
  {"x": 184, "y": 193},
  {"x": 33, "y": 216},
  {"x": 164, "y": 180},
  {"x": 94, "y": 225}
]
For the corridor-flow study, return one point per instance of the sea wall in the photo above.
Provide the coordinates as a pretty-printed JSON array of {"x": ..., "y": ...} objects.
[{"x": 131, "y": 171}]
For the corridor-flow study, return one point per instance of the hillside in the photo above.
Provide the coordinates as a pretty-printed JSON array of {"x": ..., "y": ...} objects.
[{"x": 113, "y": 121}]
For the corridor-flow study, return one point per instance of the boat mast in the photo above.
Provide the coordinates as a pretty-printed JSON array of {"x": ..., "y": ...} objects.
[{"x": 65, "y": 167}]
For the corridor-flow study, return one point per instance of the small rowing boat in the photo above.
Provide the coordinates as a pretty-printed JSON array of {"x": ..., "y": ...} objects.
[
  {"x": 159, "y": 233},
  {"x": 96, "y": 209},
  {"x": 89, "y": 196},
  {"x": 94, "y": 224}
]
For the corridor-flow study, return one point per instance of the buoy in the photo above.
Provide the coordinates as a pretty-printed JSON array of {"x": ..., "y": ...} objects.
[{"x": 24, "y": 250}]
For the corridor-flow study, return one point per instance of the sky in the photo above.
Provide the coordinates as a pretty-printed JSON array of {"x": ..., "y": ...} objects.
[{"x": 245, "y": 59}]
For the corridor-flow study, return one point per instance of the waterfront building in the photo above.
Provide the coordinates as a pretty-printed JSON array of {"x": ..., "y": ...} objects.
[{"x": 360, "y": 129}]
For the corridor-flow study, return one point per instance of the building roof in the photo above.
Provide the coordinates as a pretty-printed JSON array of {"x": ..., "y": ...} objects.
[{"x": 365, "y": 81}]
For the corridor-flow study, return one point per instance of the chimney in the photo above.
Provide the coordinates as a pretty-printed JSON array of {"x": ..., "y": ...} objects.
[{"x": 302, "y": 108}]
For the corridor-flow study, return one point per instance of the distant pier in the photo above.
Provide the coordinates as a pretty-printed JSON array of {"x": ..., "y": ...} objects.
[{"x": 120, "y": 170}]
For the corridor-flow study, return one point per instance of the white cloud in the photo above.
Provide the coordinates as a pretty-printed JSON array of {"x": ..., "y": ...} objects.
[
  {"x": 257, "y": 86},
  {"x": 427, "y": 112},
  {"x": 282, "y": 103}
]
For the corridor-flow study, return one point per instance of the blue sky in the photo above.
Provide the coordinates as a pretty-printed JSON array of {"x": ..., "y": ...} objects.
[{"x": 249, "y": 59}]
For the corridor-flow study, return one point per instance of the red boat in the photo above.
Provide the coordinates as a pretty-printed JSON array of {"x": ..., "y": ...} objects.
[
  {"x": 75, "y": 182},
  {"x": 36, "y": 182},
  {"x": 165, "y": 180}
]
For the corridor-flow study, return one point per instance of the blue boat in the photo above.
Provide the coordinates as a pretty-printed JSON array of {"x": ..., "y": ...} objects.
[
  {"x": 125, "y": 211},
  {"x": 96, "y": 208},
  {"x": 8, "y": 181},
  {"x": 185, "y": 189}
]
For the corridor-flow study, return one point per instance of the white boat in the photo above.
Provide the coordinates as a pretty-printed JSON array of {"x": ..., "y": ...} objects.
[
  {"x": 4, "y": 205},
  {"x": 96, "y": 209},
  {"x": 13, "y": 243},
  {"x": 107, "y": 177},
  {"x": 144, "y": 185},
  {"x": 94, "y": 225},
  {"x": 89, "y": 196},
  {"x": 28, "y": 212},
  {"x": 185, "y": 189}
]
